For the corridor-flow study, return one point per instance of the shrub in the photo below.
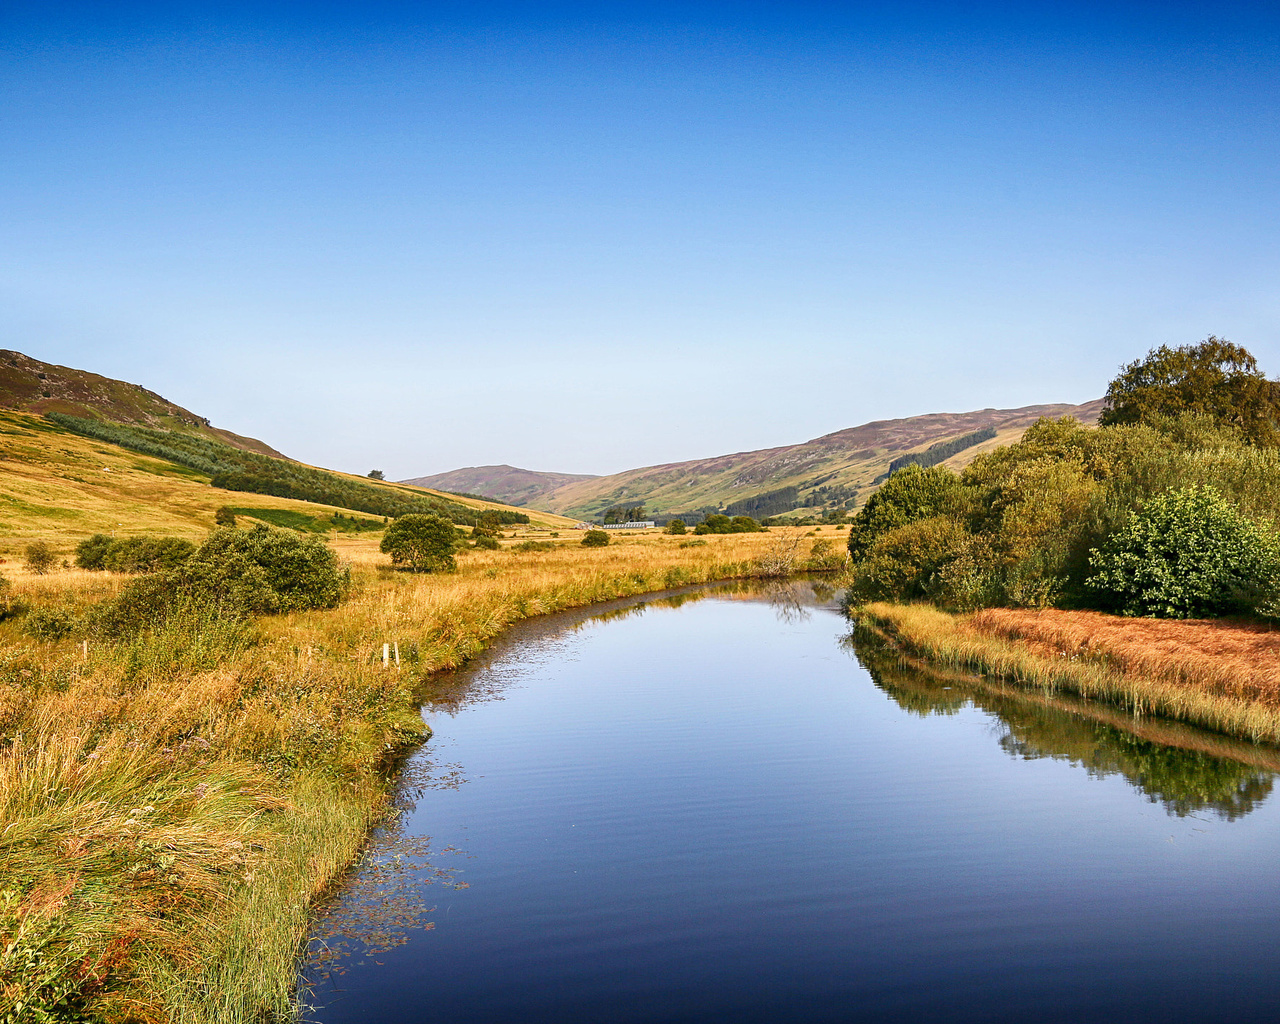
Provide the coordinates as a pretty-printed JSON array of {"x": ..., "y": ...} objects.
[
  {"x": 132, "y": 554},
  {"x": 225, "y": 517},
  {"x": 676, "y": 527},
  {"x": 536, "y": 545},
  {"x": 595, "y": 539},
  {"x": 40, "y": 557},
  {"x": 49, "y": 624},
  {"x": 91, "y": 553},
  {"x": 147, "y": 554},
  {"x": 1188, "y": 553},
  {"x": 906, "y": 563},
  {"x": 910, "y": 494},
  {"x": 423, "y": 542},
  {"x": 233, "y": 574},
  {"x": 485, "y": 542},
  {"x": 723, "y": 524}
]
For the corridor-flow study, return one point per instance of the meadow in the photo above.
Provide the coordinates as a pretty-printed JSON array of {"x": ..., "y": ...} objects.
[{"x": 175, "y": 803}]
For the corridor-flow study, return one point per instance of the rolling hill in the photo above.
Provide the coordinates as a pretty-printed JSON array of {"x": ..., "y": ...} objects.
[
  {"x": 30, "y": 385},
  {"x": 836, "y": 470},
  {"x": 59, "y": 482},
  {"x": 502, "y": 483}
]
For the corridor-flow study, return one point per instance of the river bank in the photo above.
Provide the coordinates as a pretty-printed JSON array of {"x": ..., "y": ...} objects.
[
  {"x": 175, "y": 805},
  {"x": 1218, "y": 674}
]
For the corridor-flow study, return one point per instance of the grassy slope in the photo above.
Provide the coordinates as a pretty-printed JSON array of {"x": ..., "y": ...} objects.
[
  {"x": 849, "y": 458},
  {"x": 30, "y": 385},
  {"x": 61, "y": 487}
]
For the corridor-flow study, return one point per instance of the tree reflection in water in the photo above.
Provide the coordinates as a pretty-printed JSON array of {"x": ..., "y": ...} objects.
[{"x": 1186, "y": 770}]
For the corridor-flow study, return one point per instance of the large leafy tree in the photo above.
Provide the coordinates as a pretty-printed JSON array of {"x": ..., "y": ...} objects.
[
  {"x": 1214, "y": 379},
  {"x": 423, "y": 542}
]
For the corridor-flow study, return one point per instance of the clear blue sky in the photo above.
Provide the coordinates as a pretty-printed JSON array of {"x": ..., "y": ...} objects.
[{"x": 591, "y": 237}]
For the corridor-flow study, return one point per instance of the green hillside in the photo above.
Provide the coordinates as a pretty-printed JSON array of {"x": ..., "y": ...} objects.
[{"x": 837, "y": 470}]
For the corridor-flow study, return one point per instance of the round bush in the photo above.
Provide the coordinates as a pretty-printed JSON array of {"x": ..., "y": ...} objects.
[
  {"x": 423, "y": 542},
  {"x": 1189, "y": 553},
  {"x": 595, "y": 539}
]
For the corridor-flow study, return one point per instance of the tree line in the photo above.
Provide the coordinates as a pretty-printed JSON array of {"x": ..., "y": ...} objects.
[{"x": 1167, "y": 509}]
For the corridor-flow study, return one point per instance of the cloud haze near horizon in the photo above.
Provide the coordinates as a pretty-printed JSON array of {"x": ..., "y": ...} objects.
[{"x": 421, "y": 237}]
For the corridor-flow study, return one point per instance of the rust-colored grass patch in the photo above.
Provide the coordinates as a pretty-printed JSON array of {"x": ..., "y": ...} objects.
[{"x": 1235, "y": 658}]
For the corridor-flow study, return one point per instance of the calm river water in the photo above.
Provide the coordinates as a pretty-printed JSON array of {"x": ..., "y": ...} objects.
[{"x": 721, "y": 808}]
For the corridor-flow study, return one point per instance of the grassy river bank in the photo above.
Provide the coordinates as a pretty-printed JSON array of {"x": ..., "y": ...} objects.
[
  {"x": 1223, "y": 675},
  {"x": 174, "y": 805}
]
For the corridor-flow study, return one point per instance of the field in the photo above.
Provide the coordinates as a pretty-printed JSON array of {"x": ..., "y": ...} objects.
[
  {"x": 175, "y": 804},
  {"x": 1219, "y": 674}
]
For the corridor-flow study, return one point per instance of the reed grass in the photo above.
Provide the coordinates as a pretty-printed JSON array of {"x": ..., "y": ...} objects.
[
  {"x": 1222, "y": 676},
  {"x": 174, "y": 805}
]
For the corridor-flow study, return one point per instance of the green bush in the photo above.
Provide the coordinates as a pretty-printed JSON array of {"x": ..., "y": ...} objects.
[
  {"x": 1189, "y": 553},
  {"x": 910, "y": 494},
  {"x": 40, "y": 557},
  {"x": 225, "y": 516},
  {"x": 132, "y": 554},
  {"x": 485, "y": 542},
  {"x": 723, "y": 524},
  {"x": 423, "y": 543},
  {"x": 49, "y": 624},
  {"x": 91, "y": 553},
  {"x": 535, "y": 545},
  {"x": 235, "y": 573},
  {"x": 676, "y": 528},
  {"x": 595, "y": 539},
  {"x": 906, "y": 563}
]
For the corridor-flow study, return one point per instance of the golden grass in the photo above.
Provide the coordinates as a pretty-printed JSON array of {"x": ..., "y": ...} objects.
[
  {"x": 60, "y": 487},
  {"x": 174, "y": 804},
  {"x": 1222, "y": 676}
]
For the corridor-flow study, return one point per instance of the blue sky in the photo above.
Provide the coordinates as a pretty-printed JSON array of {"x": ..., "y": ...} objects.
[{"x": 591, "y": 237}]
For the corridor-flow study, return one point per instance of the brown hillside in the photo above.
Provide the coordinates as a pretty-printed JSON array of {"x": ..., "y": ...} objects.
[
  {"x": 845, "y": 462},
  {"x": 502, "y": 483},
  {"x": 30, "y": 385}
]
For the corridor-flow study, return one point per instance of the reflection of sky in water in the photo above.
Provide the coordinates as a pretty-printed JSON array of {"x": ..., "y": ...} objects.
[{"x": 711, "y": 812}]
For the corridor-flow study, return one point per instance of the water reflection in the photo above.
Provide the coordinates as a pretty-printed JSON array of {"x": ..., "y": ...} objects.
[{"x": 1184, "y": 769}]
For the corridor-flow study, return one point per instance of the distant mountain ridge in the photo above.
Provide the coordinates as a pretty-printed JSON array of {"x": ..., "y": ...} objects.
[
  {"x": 507, "y": 484},
  {"x": 31, "y": 385},
  {"x": 839, "y": 469}
]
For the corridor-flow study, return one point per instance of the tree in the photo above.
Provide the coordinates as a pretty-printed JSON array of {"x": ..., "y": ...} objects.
[
  {"x": 423, "y": 542},
  {"x": 376, "y": 474},
  {"x": 225, "y": 517},
  {"x": 1189, "y": 553},
  {"x": 676, "y": 527},
  {"x": 910, "y": 494},
  {"x": 40, "y": 557},
  {"x": 1213, "y": 379},
  {"x": 595, "y": 539}
]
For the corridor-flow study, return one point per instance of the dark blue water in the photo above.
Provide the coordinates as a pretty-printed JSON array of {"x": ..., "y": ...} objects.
[{"x": 718, "y": 812}]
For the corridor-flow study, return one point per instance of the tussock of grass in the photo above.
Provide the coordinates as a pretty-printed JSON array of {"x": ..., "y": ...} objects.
[
  {"x": 1218, "y": 675},
  {"x": 173, "y": 804}
]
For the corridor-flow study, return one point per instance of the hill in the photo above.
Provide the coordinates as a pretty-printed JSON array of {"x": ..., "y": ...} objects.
[
  {"x": 30, "y": 385},
  {"x": 83, "y": 454},
  {"x": 502, "y": 483},
  {"x": 837, "y": 470}
]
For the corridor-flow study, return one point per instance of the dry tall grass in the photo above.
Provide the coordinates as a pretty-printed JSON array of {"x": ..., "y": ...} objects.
[
  {"x": 1220, "y": 675},
  {"x": 172, "y": 805}
]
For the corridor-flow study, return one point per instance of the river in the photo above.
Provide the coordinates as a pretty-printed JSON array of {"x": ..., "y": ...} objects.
[{"x": 722, "y": 806}]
